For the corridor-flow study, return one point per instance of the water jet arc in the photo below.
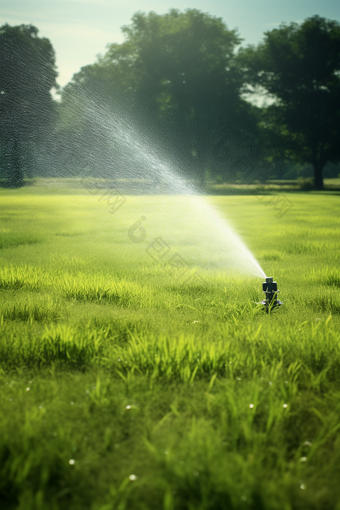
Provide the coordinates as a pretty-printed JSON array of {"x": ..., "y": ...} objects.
[{"x": 216, "y": 239}]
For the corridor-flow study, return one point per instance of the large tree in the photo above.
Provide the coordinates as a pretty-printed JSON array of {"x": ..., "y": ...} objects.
[
  {"x": 85, "y": 131},
  {"x": 175, "y": 75},
  {"x": 299, "y": 66},
  {"x": 27, "y": 75}
]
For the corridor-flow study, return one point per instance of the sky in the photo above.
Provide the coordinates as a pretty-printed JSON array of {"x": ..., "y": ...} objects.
[{"x": 79, "y": 30}]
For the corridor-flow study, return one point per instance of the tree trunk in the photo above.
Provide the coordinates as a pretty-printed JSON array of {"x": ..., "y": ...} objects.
[
  {"x": 15, "y": 178},
  {"x": 318, "y": 177}
]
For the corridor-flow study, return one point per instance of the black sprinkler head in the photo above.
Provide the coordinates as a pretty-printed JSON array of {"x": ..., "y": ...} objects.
[{"x": 270, "y": 290}]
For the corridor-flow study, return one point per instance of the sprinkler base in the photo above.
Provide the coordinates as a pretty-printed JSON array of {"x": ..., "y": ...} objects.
[
  {"x": 270, "y": 289},
  {"x": 272, "y": 305}
]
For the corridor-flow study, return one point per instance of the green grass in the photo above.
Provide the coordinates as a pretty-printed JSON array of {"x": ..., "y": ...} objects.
[{"x": 125, "y": 386}]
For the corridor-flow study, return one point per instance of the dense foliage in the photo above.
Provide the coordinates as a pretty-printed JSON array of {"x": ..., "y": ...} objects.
[
  {"x": 175, "y": 77},
  {"x": 28, "y": 73},
  {"x": 299, "y": 65},
  {"x": 179, "y": 79}
]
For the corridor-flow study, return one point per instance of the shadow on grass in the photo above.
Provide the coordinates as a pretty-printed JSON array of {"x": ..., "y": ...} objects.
[
  {"x": 12, "y": 185},
  {"x": 267, "y": 189}
]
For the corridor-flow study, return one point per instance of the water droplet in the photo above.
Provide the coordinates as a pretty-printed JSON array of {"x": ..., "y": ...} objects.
[
  {"x": 132, "y": 478},
  {"x": 251, "y": 406},
  {"x": 166, "y": 453},
  {"x": 40, "y": 407},
  {"x": 303, "y": 459},
  {"x": 285, "y": 406},
  {"x": 302, "y": 486},
  {"x": 27, "y": 389},
  {"x": 307, "y": 443},
  {"x": 128, "y": 407},
  {"x": 71, "y": 461},
  {"x": 71, "y": 403},
  {"x": 270, "y": 383}
]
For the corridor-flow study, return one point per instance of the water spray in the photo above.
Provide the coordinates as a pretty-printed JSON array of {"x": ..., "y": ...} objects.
[
  {"x": 270, "y": 289},
  {"x": 139, "y": 157}
]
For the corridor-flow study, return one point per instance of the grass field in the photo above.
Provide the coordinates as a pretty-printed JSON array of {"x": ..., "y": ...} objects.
[{"x": 126, "y": 385}]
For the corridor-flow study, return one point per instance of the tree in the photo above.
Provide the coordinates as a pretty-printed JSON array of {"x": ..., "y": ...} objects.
[
  {"x": 299, "y": 66},
  {"x": 28, "y": 73},
  {"x": 187, "y": 82},
  {"x": 175, "y": 76},
  {"x": 84, "y": 134}
]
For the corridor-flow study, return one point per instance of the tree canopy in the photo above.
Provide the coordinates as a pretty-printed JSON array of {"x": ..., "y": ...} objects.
[
  {"x": 176, "y": 75},
  {"x": 28, "y": 73},
  {"x": 299, "y": 65},
  {"x": 180, "y": 79}
]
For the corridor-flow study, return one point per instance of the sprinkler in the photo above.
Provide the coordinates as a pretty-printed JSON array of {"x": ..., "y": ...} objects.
[{"x": 270, "y": 290}]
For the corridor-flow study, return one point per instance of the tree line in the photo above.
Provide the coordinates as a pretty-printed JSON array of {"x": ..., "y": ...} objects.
[{"x": 182, "y": 80}]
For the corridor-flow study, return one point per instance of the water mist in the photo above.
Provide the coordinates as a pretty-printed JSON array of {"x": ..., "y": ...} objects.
[{"x": 196, "y": 222}]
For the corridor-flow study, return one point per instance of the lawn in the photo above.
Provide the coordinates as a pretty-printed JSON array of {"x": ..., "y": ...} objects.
[{"x": 129, "y": 382}]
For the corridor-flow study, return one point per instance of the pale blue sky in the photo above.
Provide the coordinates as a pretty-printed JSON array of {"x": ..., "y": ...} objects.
[{"x": 80, "y": 29}]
